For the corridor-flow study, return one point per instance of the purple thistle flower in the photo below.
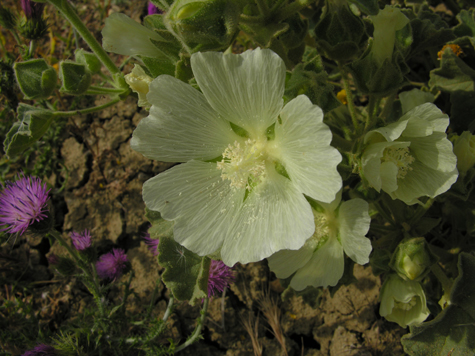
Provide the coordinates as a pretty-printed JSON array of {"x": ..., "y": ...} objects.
[
  {"x": 152, "y": 244},
  {"x": 32, "y": 10},
  {"x": 220, "y": 276},
  {"x": 112, "y": 264},
  {"x": 41, "y": 350},
  {"x": 22, "y": 203},
  {"x": 152, "y": 9},
  {"x": 81, "y": 241}
]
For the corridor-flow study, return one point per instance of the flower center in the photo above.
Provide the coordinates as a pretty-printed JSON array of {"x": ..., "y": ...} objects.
[
  {"x": 406, "y": 306},
  {"x": 244, "y": 164},
  {"x": 401, "y": 157}
]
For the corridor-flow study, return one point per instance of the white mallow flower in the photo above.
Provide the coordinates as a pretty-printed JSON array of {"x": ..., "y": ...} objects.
[
  {"x": 412, "y": 157},
  {"x": 250, "y": 161},
  {"x": 403, "y": 302},
  {"x": 139, "y": 82},
  {"x": 123, "y": 35},
  {"x": 320, "y": 262}
]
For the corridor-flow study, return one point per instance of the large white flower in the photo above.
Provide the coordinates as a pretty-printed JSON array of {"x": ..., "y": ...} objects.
[
  {"x": 320, "y": 262},
  {"x": 249, "y": 160},
  {"x": 412, "y": 157}
]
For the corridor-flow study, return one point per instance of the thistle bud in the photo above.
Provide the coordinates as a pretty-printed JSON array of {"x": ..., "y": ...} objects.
[
  {"x": 412, "y": 259},
  {"x": 464, "y": 149},
  {"x": 403, "y": 302},
  {"x": 33, "y": 26},
  {"x": 36, "y": 78}
]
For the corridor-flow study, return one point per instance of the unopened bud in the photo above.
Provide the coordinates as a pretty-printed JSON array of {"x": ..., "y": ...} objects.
[{"x": 464, "y": 149}]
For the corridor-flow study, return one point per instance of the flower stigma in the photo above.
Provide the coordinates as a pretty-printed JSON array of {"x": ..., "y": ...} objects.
[
  {"x": 401, "y": 157},
  {"x": 406, "y": 306},
  {"x": 244, "y": 164}
]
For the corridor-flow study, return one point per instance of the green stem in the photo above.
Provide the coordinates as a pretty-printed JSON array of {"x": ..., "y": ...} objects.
[
  {"x": 68, "y": 12},
  {"x": 370, "y": 114},
  {"x": 198, "y": 328},
  {"x": 101, "y": 90},
  {"x": 445, "y": 281},
  {"x": 127, "y": 290},
  {"x": 88, "y": 110},
  {"x": 349, "y": 97},
  {"x": 32, "y": 48}
]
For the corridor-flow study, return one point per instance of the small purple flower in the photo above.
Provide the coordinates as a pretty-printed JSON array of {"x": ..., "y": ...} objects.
[
  {"x": 81, "y": 241},
  {"x": 41, "y": 350},
  {"x": 22, "y": 203},
  {"x": 112, "y": 264},
  {"x": 32, "y": 10},
  {"x": 152, "y": 244},
  {"x": 220, "y": 276},
  {"x": 152, "y": 9}
]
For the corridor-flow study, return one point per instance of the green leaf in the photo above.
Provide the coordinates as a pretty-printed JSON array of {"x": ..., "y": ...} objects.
[
  {"x": 158, "y": 67},
  {"x": 451, "y": 332},
  {"x": 186, "y": 273},
  {"x": 36, "y": 78},
  {"x": 467, "y": 23},
  {"x": 76, "y": 77},
  {"x": 453, "y": 74},
  {"x": 89, "y": 59},
  {"x": 33, "y": 123}
]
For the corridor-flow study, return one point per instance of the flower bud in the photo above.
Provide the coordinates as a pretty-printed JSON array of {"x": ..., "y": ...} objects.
[
  {"x": 33, "y": 26},
  {"x": 139, "y": 82},
  {"x": 464, "y": 149},
  {"x": 88, "y": 59},
  {"x": 403, "y": 302},
  {"x": 412, "y": 259},
  {"x": 36, "y": 78},
  {"x": 76, "y": 78}
]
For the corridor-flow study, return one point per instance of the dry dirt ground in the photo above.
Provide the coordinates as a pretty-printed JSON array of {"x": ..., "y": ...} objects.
[{"x": 103, "y": 194}]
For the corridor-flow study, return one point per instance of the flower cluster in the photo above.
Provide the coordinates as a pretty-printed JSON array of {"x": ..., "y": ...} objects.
[
  {"x": 220, "y": 277},
  {"x": 22, "y": 203}
]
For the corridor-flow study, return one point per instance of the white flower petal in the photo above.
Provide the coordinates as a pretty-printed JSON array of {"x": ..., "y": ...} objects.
[
  {"x": 428, "y": 112},
  {"x": 285, "y": 262},
  {"x": 275, "y": 216},
  {"x": 325, "y": 268},
  {"x": 245, "y": 89},
  {"x": 354, "y": 225},
  {"x": 390, "y": 132},
  {"x": 202, "y": 205},
  {"x": 388, "y": 174},
  {"x": 435, "y": 151},
  {"x": 181, "y": 125},
  {"x": 122, "y": 35},
  {"x": 423, "y": 181},
  {"x": 303, "y": 145}
]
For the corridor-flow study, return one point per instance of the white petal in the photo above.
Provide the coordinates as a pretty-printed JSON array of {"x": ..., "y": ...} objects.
[
  {"x": 122, "y": 35},
  {"x": 435, "y": 151},
  {"x": 302, "y": 143},
  {"x": 245, "y": 89},
  {"x": 354, "y": 225},
  {"x": 284, "y": 263},
  {"x": 181, "y": 125},
  {"x": 275, "y": 216},
  {"x": 388, "y": 173},
  {"x": 431, "y": 113},
  {"x": 423, "y": 181},
  {"x": 390, "y": 132},
  {"x": 325, "y": 268},
  {"x": 198, "y": 200}
]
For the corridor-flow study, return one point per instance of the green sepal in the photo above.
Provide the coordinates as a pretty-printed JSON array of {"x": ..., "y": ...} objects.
[
  {"x": 310, "y": 79},
  {"x": 453, "y": 74},
  {"x": 183, "y": 70},
  {"x": 154, "y": 22},
  {"x": 89, "y": 59},
  {"x": 76, "y": 77},
  {"x": 451, "y": 332},
  {"x": 158, "y": 67},
  {"x": 186, "y": 273},
  {"x": 340, "y": 34},
  {"x": 33, "y": 123},
  {"x": 205, "y": 25},
  {"x": 36, "y": 78}
]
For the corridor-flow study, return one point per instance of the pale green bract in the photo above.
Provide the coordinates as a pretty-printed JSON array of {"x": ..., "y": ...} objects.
[
  {"x": 320, "y": 262},
  {"x": 240, "y": 195},
  {"x": 403, "y": 302},
  {"x": 412, "y": 157}
]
